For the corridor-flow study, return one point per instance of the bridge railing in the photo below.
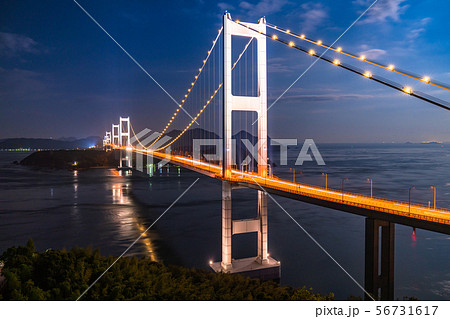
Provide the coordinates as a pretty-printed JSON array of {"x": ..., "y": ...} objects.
[
  {"x": 297, "y": 190},
  {"x": 316, "y": 190}
]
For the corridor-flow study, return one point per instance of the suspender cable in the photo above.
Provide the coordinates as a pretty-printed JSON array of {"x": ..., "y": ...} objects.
[
  {"x": 206, "y": 104},
  {"x": 189, "y": 90},
  {"x": 390, "y": 67},
  {"x": 405, "y": 89}
]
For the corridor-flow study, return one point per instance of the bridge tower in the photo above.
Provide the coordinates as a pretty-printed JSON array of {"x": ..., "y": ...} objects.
[
  {"x": 124, "y": 141},
  {"x": 115, "y": 135},
  {"x": 107, "y": 141},
  {"x": 262, "y": 266}
]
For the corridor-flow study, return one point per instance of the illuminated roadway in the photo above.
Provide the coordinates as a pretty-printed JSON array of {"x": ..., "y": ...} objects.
[{"x": 414, "y": 215}]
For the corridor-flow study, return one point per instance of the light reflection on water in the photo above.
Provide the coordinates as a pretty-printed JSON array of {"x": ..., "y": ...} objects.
[
  {"x": 64, "y": 209},
  {"x": 98, "y": 208},
  {"x": 127, "y": 220}
]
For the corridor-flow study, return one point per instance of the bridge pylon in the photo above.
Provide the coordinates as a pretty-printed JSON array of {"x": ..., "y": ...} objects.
[
  {"x": 115, "y": 135},
  {"x": 262, "y": 265},
  {"x": 124, "y": 142},
  {"x": 107, "y": 141}
]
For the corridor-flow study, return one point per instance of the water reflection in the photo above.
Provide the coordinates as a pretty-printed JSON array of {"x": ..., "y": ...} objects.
[
  {"x": 75, "y": 212},
  {"x": 128, "y": 220},
  {"x": 413, "y": 237}
]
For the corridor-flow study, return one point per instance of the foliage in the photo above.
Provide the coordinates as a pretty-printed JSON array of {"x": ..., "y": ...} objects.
[{"x": 64, "y": 275}]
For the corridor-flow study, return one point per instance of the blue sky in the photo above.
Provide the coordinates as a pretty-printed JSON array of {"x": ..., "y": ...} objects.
[{"x": 60, "y": 75}]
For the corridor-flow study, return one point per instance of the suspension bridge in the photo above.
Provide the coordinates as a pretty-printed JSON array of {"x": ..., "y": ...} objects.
[{"x": 230, "y": 91}]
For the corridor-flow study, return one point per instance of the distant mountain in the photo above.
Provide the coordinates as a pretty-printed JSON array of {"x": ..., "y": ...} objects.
[
  {"x": 49, "y": 144},
  {"x": 184, "y": 145}
]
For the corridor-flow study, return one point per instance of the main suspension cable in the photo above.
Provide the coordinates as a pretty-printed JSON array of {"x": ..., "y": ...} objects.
[
  {"x": 367, "y": 74},
  {"x": 207, "y": 102},
  {"x": 390, "y": 67},
  {"x": 189, "y": 90}
]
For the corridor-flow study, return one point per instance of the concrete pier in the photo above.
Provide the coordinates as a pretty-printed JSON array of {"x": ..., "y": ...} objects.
[{"x": 379, "y": 259}]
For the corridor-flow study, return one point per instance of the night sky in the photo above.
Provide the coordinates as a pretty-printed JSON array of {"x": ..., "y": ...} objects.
[{"x": 61, "y": 76}]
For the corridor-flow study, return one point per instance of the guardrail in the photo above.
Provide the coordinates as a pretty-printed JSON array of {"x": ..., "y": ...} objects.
[{"x": 296, "y": 188}]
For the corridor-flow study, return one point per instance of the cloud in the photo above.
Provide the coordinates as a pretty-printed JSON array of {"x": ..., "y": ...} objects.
[
  {"x": 373, "y": 53},
  {"x": 382, "y": 11},
  {"x": 259, "y": 9},
  {"x": 418, "y": 28},
  {"x": 278, "y": 65},
  {"x": 12, "y": 44},
  {"x": 314, "y": 14},
  {"x": 263, "y": 7},
  {"x": 325, "y": 97},
  {"x": 225, "y": 6},
  {"x": 20, "y": 84}
]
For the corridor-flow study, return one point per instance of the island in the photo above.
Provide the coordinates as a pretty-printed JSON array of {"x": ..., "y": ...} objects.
[{"x": 72, "y": 159}]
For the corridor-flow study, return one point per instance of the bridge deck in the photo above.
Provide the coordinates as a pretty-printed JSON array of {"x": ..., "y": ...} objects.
[{"x": 415, "y": 215}]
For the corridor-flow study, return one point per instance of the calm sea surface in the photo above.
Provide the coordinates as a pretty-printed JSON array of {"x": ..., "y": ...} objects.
[{"x": 103, "y": 209}]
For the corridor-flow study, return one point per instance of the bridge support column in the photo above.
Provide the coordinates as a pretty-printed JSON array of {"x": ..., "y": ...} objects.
[
  {"x": 262, "y": 266},
  {"x": 149, "y": 165},
  {"x": 379, "y": 259},
  {"x": 262, "y": 232},
  {"x": 226, "y": 226},
  {"x": 139, "y": 160}
]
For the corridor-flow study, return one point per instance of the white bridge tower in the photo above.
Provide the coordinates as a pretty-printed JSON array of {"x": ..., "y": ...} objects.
[
  {"x": 262, "y": 265},
  {"x": 124, "y": 142}
]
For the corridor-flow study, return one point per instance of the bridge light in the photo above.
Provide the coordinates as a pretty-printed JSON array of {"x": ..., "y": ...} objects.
[
  {"x": 319, "y": 42},
  {"x": 237, "y": 21},
  {"x": 192, "y": 83},
  {"x": 336, "y": 61},
  {"x": 210, "y": 262},
  {"x": 182, "y": 101},
  {"x": 291, "y": 44},
  {"x": 391, "y": 67},
  {"x": 185, "y": 95},
  {"x": 426, "y": 79},
  {"x": 204, "y": 61},
  {"x": 312, "y": 52},
  {"x": 302, "y": 36},
  {"x": 274, "y": 37},
  {"x": 189, "y": 90},
  {"x": 178, "y": 110},
  {"x": 367, "y": 74},
  {"x": 362, "y": 57},
  {"x": 200, "y": 69},
  {"x": 288, "y": 31},
  {"x": 339, "y": 49},
  {"x": 196, "y": 77},
  {"x": 407, "y": 90}
]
